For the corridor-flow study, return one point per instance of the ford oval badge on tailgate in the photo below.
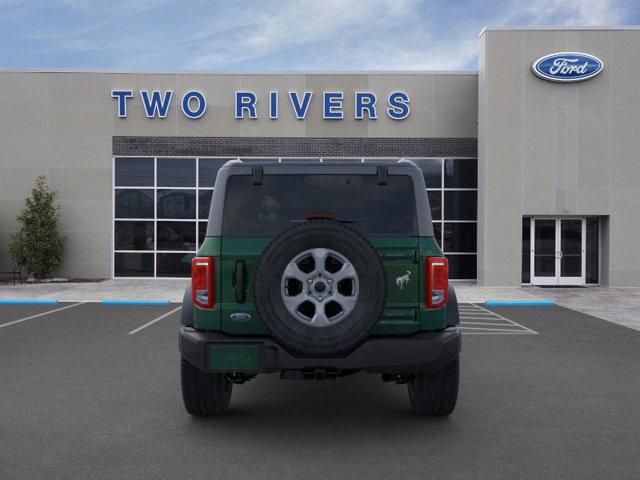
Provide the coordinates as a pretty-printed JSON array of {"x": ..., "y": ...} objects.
[{"x": 240, "y": 317}]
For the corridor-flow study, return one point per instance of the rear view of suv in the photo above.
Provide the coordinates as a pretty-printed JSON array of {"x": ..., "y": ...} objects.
[{"x": 320, "y": 270}]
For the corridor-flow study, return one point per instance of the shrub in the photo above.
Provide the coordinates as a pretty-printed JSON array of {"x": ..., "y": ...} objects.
[{"x": 37, "y": 246}]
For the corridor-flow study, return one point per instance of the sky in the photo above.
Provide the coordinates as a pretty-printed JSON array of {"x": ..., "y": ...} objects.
[{"x": 277, "y": 35}]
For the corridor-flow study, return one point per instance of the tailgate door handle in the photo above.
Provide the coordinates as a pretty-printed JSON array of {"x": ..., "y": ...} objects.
[{"x": 240, "y": 289}]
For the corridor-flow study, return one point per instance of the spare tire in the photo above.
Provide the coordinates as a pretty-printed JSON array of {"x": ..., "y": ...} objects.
[{"x": 319, "y": 287}]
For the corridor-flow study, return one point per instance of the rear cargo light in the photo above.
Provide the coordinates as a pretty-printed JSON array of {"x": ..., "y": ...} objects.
[
  {"x": 437, "y": 281},
  {"x": 202, "y": 282}
]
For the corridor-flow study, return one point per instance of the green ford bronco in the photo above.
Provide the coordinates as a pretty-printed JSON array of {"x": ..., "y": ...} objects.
[{"x": 319, "y": 270}]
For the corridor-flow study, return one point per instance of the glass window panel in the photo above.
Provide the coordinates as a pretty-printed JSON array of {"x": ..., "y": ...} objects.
[
  {"x": 176, "y": 235},
  {"x": 134, "y": 172},
  {"x": 460, "y": 173},
  {"x": 204, "y": 202},
  {"x": 176, "y": 172},
  {"x": 460, "y": 205},
  {"x": 202, "y": 232},
  {"x": 437, "y": 233},
  {"x": 545, "y": 248},
  {"x": 462, "y": 267},
  {"x": 133, "y": 264},
  {"x": 526, "y": 250},
  {"x": 431, "y": 171},
  {"x": 593, "y": 240},
  {"x": 208, "y": 170},
  {"x": 174, "y": 264},
  {"x": 435, "y": 203},
  {"x": 460, "y": 237},
  {"x": 571, "y": 248},
  {"x": 133, "y": 235},
  {"x": 176, "y": 203},
  {"x": 134, "y": 203},
  {"x": 284, "y": 200}
]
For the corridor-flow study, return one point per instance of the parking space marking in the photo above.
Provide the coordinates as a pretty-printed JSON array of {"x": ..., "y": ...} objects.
[
  {"x": 164, "y": 315},
  {"x": 39, "y": 315},
  {"x": 477, "y": 320}
]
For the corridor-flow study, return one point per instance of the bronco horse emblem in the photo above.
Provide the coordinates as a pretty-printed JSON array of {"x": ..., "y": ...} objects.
[{"x": 402, "y": 280}]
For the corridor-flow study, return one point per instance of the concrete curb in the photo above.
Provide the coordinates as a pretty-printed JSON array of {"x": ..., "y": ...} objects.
[
  {"x": 518, "y": 303},
  {"x": 28, "y": 301}
]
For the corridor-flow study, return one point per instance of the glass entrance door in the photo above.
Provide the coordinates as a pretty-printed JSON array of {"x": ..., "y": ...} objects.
[{"x": 558, "y": 251}]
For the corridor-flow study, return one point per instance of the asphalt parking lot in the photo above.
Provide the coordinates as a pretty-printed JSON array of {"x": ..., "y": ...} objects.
[{"x": 92, "y": 391}]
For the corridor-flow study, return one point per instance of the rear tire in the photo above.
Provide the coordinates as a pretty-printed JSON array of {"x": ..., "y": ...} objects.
[
  {"x": 434, "y": 394},
  {"x": 204, "y": 394}
]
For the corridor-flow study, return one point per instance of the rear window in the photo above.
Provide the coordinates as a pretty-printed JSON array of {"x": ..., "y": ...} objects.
[{"x": 284, "y": 200}]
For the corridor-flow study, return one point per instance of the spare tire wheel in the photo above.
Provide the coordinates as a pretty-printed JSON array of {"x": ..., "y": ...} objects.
[{"x": 319, "y": 287}]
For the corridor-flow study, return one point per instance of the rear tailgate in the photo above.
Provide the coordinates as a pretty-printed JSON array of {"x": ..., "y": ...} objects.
[{"x": 401, "y": 313}]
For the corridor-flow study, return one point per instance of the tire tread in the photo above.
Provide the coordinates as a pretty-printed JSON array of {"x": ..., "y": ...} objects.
[{"x": 435, "y": 394}]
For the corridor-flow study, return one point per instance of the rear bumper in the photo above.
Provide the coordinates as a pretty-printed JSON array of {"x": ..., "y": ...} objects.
[{"x": 420, "y": 352}]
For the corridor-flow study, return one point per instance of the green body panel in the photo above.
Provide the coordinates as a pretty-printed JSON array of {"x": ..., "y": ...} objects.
[{"x": 404, "y": 312}]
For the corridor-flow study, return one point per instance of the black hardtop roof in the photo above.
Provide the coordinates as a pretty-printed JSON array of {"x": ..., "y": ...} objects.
[{"x": 313, "y": 162}]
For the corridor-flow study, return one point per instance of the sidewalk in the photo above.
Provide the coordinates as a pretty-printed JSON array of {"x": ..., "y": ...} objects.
[{"x": 118, "y": 289}]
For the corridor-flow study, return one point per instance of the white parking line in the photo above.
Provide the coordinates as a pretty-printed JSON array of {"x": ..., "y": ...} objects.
[
  {"x": 165, "y": 315},
  {"x": 487, "y": 323},
  {"x": 39, "y": 315},
  {"x": 477, "y": 320},
  {"x": 508, "y": 320}
]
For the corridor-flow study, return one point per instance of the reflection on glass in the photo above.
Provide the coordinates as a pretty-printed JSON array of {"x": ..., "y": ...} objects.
[
  {"x": 208, "y": 170},
  {"x": 177, "y": 204},
  {"x": 462, "y": 267},
  {"x": 176, "y": 172},
  {"x": 544, "y": 262},
  {"x": 526, "y": 250},
  {"x": 202, "y": 232},
  {"x": 133, "y": 264},
  {"x": 460, "y": 237},
  {"x": 437, "y": 232},
  {"x": 431, "y": 170},
  {"x": 176, "y": 235},
  {"x": 435, "y": 203},
  {"x": 133, "y": 235},
  {"x": 460, "y": 205},
  {"x": 134, "y": 172},
  {"x": 134, "y": 203},
  {"x": 174, "y": 264},
  {"x": 593, "y": 240},
  {"x": 460, "y": 173},
  {"x": 204, "y": 202},
  {"x": 571, "y": 248}
]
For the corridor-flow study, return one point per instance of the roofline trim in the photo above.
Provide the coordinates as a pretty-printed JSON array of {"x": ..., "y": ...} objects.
[
  {"x": 561, "y": 27},
  {"x": 238, "y": 72}
]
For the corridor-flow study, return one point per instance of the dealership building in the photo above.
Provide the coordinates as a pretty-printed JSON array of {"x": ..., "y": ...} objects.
[{"x": 532, "y": 163}]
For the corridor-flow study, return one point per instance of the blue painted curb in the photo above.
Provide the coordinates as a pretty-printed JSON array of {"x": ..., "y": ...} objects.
[
  {"x": 518, "y": 303},
  {"x": 133, "y": 302},
  {"x": 27, "y": 301}
]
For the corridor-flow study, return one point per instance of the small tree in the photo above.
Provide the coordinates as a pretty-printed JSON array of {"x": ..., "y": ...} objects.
[{"x": 38, "y": 246}]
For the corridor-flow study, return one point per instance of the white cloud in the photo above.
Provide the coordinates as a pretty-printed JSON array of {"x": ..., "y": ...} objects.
[
  {"x": 570, "y": 12},
  {"x": 303, "y": 34}
]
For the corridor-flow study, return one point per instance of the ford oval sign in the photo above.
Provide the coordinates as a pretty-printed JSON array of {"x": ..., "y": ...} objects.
[{"x": 567, "y": 66}]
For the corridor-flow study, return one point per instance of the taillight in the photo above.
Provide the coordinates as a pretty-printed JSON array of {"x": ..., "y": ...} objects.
[
  {"x": 437, "y": 281},
  {"x": 202, "y": 282}
]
